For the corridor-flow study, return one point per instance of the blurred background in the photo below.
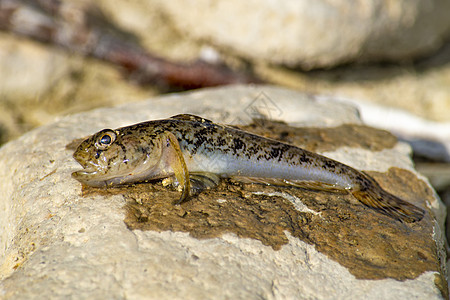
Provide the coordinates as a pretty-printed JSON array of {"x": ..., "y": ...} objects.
[{"x": 390, "y": 58}]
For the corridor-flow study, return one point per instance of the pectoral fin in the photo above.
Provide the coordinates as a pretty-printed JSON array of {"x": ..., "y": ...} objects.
[
  {"x": 202, "y": 181},
  {"x": 198, "y": 182},
  {"x": 178, "y": 165}
]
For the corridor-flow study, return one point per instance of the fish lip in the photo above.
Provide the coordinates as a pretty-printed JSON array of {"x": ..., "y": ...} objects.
[
  {"x": 87, "y": 165},
  {"x": 81, "y": 161},
  {"x": 85, "y": 171},
  {"x": 89, "y": 169}
]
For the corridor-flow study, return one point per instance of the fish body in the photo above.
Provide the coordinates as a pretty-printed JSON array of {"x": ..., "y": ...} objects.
[{"x": 186, "y": 146}]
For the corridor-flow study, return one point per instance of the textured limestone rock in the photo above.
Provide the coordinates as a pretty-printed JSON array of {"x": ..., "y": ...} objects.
[
  {"x": 315, "y": 33},
  {"x": 59, "y": 239}
]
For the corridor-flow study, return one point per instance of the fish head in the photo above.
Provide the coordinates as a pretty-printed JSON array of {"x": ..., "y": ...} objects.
[{"x": 112, "y": 157}]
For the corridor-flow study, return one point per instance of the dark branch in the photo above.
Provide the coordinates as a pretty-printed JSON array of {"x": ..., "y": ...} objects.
[{"x": 87, "y": 32}]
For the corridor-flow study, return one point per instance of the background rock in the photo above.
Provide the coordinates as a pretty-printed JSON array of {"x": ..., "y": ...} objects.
[
  {"x": 58, "y": 241},
  {"x": 315, "y": 34},
  {"x": 40, "y": 83}
]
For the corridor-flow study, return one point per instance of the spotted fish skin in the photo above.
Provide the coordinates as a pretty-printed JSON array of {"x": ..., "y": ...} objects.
[{"x": 185, "y": 145}]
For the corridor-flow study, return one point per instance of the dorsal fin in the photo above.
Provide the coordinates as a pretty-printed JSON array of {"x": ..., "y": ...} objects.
[{"x": 189, "y": 117}]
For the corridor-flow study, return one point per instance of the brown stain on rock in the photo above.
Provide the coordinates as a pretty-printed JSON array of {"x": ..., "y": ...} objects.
[
  {"x": 324, "y": 139},
  {"x": 369, "y": 244}
]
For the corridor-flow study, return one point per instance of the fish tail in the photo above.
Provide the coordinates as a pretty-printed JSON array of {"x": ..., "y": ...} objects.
[{"x": 388, "y": 204}]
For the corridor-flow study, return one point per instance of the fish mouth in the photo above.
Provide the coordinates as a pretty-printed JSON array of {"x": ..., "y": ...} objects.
[
  {"x": 85, "y": 174},
  {"x": 86, "y": 163},
  {"x": 85, "y": 171},
  {"x": 91, "y": 176},
  {"x": 83, "y": 162},
  {"x": 89, "y": 169},
  {"x": 94, "y": 175}
]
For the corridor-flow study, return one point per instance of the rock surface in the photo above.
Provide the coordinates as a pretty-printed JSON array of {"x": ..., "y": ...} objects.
[
  {"x": 318, "y": 33},
  {"x": 59, "y": 239}
]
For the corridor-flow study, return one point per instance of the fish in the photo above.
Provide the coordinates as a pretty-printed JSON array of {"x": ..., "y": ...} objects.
[{"x": 196, "y": 153}]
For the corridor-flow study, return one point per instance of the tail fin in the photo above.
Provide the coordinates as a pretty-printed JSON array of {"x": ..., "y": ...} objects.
[{"x": 389, "y": 204}]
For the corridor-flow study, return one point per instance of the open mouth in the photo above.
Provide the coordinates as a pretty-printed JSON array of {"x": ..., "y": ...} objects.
[
  {"x": 89, "y": 168},
  {"x": 84, "y": 174},
  {"x": 86, "y": 171},
  {"x": 83, "y": 162}
]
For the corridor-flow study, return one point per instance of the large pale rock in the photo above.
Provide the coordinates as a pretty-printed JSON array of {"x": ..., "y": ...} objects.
[
  {"x": 59, "y": 240},
  {"x": 315, "y": 33}
]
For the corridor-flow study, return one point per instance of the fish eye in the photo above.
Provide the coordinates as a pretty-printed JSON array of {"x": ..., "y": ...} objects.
[{"x": 105, "y": 139}]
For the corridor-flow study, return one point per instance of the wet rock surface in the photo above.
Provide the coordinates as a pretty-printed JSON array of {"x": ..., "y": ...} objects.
[
  {"x": 324, "y": 139},
  {"x": 370, "y": 245},
  {"x": 239, "y": 240}
]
